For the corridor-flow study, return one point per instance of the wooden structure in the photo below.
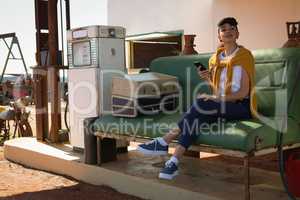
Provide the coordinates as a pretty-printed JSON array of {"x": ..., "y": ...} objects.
[
  {"x": 47, "y": 57},
  {"x": 144, "y": 48}
]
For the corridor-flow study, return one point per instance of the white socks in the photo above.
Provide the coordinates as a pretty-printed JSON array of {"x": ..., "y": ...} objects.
[{"x": 162, "y": 141}]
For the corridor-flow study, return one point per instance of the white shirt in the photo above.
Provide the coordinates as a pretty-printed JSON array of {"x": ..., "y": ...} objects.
[{"x": 236, "y": 75}]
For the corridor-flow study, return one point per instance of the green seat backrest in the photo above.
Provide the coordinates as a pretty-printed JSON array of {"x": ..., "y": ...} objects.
[
  {"x": 276, "y": 78},
  {"x": 276, "y": 71}
]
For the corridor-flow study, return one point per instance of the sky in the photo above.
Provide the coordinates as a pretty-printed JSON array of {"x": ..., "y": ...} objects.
[{"x": 18, "y": 16}]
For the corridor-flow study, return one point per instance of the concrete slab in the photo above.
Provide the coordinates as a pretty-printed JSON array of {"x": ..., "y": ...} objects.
[{"x": 136, "y": 174}]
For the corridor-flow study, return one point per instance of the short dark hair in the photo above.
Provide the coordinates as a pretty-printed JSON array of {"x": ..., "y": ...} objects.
[{"x": 228, "y": 20}]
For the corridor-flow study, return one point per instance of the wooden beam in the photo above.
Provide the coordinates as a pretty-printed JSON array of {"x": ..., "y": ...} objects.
[
  {"x": 53, "y": 71},
  {"x": 201, "y": 147},
  {"x": 40, "y": 72},
  {"x": 247, "y": 178},
  {"x": 41, "y": 102},
  {"x": 7, "y": 35}
]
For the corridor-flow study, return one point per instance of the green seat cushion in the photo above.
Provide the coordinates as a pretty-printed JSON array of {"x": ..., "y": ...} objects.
[
  {"x": 250, "y": 135},
  {"x": 245, "y": 135}
]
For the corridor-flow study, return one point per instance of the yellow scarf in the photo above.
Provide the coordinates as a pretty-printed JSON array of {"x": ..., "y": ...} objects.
[{"x": 242, "y": 58}]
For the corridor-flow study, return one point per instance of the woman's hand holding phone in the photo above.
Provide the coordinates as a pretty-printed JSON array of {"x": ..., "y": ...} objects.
[
  {"x": 202, "y": 71},
  {"x": 205, "y": 74}
]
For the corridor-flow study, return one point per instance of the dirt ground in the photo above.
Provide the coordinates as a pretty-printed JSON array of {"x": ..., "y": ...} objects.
[{"x": 20, "y": 183}]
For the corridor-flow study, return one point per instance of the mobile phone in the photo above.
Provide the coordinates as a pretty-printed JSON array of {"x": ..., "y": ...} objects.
[{"x": 199, "y": 66}]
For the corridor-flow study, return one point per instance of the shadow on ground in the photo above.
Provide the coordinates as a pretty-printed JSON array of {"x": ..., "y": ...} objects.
[{"x": 79, "y": 191}]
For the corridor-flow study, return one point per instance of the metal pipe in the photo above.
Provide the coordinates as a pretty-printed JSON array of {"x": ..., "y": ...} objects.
[
  {"x": 8, "y": 47},
  {"x": 68, "y": 21},
  {"x": 6, "y": 61},
  {"x": 21, "y": 54},
  {"x": 62, "y": 40}
]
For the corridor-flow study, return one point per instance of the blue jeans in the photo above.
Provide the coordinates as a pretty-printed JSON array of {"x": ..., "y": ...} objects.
[{"x": 209, "y": 112}]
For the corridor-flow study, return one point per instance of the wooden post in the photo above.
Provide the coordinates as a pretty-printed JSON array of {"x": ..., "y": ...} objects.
[
  {"x": 40, "y": 72},
  {"x": 247, "y": 178},
  {"x": 41, "y": 102},
  {"x": 53, "y": 70}
]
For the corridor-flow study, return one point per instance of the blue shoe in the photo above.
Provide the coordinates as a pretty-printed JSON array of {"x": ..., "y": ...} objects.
[
  {"x": 153, "y": 148},
  {"x": 169, "y": 171}
]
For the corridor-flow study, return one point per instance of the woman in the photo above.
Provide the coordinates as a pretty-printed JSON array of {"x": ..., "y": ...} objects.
[{"x": 231, "y": 75}]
